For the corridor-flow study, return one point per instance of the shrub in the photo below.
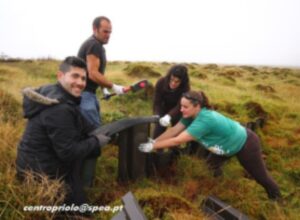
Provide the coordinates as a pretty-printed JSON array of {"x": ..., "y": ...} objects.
[{"x": 140, "y": 71}]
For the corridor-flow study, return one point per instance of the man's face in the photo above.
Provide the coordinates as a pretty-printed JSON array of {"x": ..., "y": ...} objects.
[
  {"x": 73, "y": 81},
  {"x": 103, "y": 32}
]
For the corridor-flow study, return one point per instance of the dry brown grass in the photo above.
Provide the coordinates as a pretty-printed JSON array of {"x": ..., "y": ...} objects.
[{"x": 190, "y": 182}]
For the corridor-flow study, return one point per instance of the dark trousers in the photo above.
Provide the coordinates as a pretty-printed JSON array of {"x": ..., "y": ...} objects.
[
  {"x": 250, "y": 157},
  {"x": 75, "y": 187},
  {"x": 74, "y": 193}
]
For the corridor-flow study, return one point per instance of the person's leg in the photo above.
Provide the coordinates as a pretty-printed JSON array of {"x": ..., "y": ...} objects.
[
  {"x": 250, "y": 157},
  {"x": 215, "y": 163},
  {"x": 75, "y": 192},
  {"x": 90, "y": 109}
]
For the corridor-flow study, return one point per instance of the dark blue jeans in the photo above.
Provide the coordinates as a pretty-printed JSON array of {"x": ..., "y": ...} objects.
[{"x": 90, "y": 108}]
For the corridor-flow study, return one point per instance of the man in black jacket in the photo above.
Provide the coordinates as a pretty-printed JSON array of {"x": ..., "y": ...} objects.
[{"x": 56, "y": 140}]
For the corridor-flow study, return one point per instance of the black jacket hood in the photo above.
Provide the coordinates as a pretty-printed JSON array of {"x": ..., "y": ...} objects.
[{"x": 37, "y": 100}]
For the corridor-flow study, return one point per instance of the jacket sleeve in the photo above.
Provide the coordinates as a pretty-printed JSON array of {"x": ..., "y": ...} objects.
[
  {"x": 65, "y": 131},
  {"x": 158, "y": 100},
  {"x": 87, "y": 127},
  {"x": 175, "y": 111}
]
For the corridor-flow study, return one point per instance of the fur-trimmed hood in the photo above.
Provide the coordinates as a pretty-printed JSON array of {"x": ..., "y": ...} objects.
[{"x": 37, "y": 100}]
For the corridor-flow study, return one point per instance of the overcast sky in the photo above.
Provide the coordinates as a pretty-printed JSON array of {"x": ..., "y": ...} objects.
[{"x": 256, "y": 32}]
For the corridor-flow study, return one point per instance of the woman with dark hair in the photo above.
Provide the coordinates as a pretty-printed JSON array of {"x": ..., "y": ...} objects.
[
  {"x": 168, "y": 91},
  {"x": 222, "y": 136}
]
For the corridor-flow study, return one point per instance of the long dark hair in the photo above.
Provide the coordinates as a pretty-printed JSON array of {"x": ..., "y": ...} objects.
[
  {"x": 197, "y": 98},
  {"x": 180, "y": 71}
]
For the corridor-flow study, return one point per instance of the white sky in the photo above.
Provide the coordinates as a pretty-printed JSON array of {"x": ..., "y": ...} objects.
[{"x": 256, "y": 32}]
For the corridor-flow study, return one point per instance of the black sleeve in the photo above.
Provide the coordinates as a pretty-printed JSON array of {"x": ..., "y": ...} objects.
[
  {"x": 67, "y": 135},
  {"x": 87, "y": 127},
  {"x": 158, "y": 100},
  {"x": 94, "y": 49},
  {"x": 175, "y": 111}
]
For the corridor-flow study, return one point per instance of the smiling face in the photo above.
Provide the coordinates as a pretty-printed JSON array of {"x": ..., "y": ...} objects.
[
  {"x": 73, "y": 81},
  {"x": 188, "y": 109}
]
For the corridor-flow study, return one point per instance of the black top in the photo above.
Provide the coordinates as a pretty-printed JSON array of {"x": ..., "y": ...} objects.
[
  {"x": 166, "y": 100},
  {"x": 56, "y": 135},
  {"x": 95, "y": 47}
]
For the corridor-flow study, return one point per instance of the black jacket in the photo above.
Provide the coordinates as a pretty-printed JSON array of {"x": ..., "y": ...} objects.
[
  {"x": 167, "y": 101},
  {"x": 56, "y": 134}
]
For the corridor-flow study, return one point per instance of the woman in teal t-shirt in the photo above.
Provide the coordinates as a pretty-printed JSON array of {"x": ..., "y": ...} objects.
[{"x": 222, "y": 136}]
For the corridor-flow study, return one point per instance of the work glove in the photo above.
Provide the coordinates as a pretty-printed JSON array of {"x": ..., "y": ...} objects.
[
  {"x": 150, "y": 140},
  {"x": 102, "y": 139},
  {"x": 119, "y": 90},
  {"x": 165, "y": 121},
  {"x": 106, "y": 92},
  {"x": 147, "y": 147}
]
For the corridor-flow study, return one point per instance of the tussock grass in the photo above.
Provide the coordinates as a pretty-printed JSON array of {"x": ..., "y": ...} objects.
[
  {"x": 141, "y": 71},
  {"x": 30, "y": 192},
  {"x": 10, "y": 108},
  {"x": 241, "y": 92}
]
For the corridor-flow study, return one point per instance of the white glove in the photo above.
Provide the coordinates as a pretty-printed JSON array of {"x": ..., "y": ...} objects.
[
  {"x": 119, "y": 90},
  {"x": 165, "y": 121},
  {"x": 146, "y": 147},
  {"x": 106, "y": 92},
  {"x": 150, "y": 140}
]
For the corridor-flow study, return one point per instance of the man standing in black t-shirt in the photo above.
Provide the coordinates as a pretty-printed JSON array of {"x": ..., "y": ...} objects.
[{"x": 93, "y": 52}]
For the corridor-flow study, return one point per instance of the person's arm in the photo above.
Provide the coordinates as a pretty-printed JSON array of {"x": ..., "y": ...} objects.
[
  {"x": 66, "y": 136},
  {"x": 166, "y": 142},
  {"x": 171, "y": 132},
  {"x": 183, "y": 137},
  {"x": 93, "y": 64},
  {"x": 158, "y": 101},
  {"x": 171, "y": 137},
  {"x": 176, "y": 109}
]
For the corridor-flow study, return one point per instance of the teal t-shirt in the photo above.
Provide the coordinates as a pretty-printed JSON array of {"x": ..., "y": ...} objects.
[{"x": 219, "y": 134}]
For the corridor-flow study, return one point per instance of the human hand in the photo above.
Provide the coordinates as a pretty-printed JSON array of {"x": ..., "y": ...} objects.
[
  {"x": 146, "y": 147},
  {"x": 150, "y": 140},
  {"x": 102, "y": 139},
  {"x": 119, "y": 90},
  {"x": 165, "y": 121},
  {"x": 106, "y": 92}
]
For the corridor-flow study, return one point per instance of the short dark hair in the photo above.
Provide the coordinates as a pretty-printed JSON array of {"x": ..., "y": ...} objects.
[
  {"x": 97, "y": 21},
  {"x": 72, "y": 61}
]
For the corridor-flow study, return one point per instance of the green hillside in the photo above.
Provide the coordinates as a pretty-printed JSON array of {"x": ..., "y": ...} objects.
[{"x": 244, "y": 93}]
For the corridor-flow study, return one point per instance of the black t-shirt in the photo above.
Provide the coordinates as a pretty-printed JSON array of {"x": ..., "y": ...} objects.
[{"x": 95, "y": 47}]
